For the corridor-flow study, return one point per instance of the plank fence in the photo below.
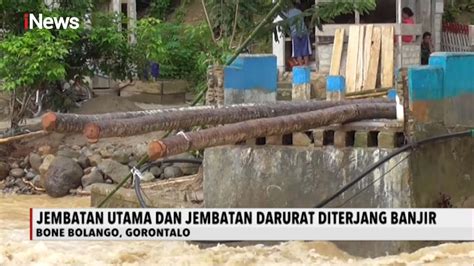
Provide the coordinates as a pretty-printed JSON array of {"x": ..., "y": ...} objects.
[{"x": 457, "y": 37}]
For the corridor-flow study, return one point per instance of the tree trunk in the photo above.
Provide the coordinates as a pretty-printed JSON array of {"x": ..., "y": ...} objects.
[
  {"x": 74, "y": 123},
  {"x": 199, "y": 117},
  {"x": 234, "y": 133}
]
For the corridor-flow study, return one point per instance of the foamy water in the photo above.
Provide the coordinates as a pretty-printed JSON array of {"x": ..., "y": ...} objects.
[{"x": 16, "y": 249}]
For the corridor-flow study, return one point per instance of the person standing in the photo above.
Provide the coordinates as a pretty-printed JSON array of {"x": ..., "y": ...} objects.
[
  {"x": 427, "y": 48},
  {"x": 407, "y": 18},
  {"x": 301, "y": 44}
]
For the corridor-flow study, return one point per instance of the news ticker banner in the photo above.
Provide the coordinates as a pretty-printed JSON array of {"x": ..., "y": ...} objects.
[{"x": 252, "y": 224}]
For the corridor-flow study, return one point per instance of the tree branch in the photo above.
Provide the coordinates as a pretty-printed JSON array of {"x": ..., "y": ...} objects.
[
  {"x": 234, "y": 29},
  {"x": 208, "y": 21}
]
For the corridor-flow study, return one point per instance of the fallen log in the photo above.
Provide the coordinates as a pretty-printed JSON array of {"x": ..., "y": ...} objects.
[
  {"x": 74, "y": 123},
  {"x": 234, "y": 133},
  {"x": 209, "y": 116}
]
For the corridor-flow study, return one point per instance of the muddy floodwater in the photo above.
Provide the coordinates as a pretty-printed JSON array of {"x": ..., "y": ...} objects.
[{"x": 16, "y": 249}]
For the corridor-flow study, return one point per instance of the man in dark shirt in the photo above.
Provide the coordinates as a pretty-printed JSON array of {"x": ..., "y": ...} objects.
[{"x": 426, "y": 48}]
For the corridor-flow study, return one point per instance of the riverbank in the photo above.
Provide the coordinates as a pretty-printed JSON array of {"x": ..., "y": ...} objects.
[{"x": 16, "y": 249}]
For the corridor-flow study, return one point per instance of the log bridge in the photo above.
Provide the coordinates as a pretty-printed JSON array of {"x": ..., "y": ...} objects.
[{"x": 240, "y": 122}]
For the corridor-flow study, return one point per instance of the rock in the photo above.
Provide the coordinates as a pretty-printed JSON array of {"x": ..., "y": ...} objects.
[
  {"x": 156, "y": 171},
  {"x": 83, "y": 161},
  {"x": 87, "y": 170},
  {"x": 95, "y": 176},
  {"x": 35, "y": 161},
  {"x": 10, "y": 182},
  {"x": 109, "y": 181},
  {"x": 17, "y": 172},
  {"x": 14, "y": 165},
  {"x": 139, "y": 150},
  {"x": 76, "y": 147},
  {"x": 46, "y": 164},
  {"x": 37, "y": 181},
  {"x": 106, "y": 153},
  {"x": 172, "y": 171},
  {"x": 4, "y": 170},
  {"x": 132, "y": 163},
  {"x": 25, "y": 163},
  {"x": 69, "y": 153},
  {"x": 87, "y": 189},
  {"x": 63, "y": 174},
  {"x": 45, "y": 150},
  {"x": 122, "y": 155},
  {"x": 113, "y": 169},
  {"x": 30, "y": 175},
  {"x": 86, "y": 152},
  {"x": 147, "y": 177},
  {"x": 187, "y": 168},
  {"x": 95, "y": 159}
]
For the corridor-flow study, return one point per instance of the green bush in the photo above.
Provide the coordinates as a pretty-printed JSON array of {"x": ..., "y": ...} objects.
[
  {"x": 182, "y": 51},
  {"x": 160, "y": 8}
]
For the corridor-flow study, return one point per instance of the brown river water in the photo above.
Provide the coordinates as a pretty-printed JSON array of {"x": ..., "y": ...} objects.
[{"x": 16, "y": 249}]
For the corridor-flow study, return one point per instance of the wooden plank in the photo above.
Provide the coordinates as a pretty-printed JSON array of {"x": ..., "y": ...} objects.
[
  {"x": 371, "y": 78},
  {"x": 351, "y": 63},
  {"x": 387, "y": 72},
  {"x": 367, "y": 44},
  {"x": 360, "y": 60},
  {"x": 337, "y": 52}
]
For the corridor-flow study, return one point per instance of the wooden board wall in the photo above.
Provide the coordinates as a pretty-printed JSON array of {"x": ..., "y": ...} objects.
[
  {"x": 352, "y": 57},
  {"x": 371, "y": 78},
  {"x": 387, "y": 63},
  {"x": 337, "y": 52}
]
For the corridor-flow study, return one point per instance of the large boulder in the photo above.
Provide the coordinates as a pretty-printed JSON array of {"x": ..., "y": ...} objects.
[
  {"x": 113, "y": 169},
  {"x": 63, "y": 174}
]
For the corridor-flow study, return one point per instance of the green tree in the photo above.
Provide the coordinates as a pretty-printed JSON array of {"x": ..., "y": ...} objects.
[{"x": 47, "y": 58}]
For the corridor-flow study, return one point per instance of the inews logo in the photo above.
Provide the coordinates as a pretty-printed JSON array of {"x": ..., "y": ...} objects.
[{"x": 32, "y": 21}]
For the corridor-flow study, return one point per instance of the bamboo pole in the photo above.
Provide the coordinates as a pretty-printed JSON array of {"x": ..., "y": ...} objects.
[
  {"x": 23, "y": 136},
  {"x": 234, "y": 133}
]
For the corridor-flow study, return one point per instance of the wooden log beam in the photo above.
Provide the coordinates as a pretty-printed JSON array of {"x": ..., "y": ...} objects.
[
  {"x": 195, "y": 117},
  {"x": 238, "y": 132}
]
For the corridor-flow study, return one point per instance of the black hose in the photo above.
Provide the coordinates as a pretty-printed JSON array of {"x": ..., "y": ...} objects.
[
  {"x": 374, "y": 166},
  {"x": 146, "y": 167}
]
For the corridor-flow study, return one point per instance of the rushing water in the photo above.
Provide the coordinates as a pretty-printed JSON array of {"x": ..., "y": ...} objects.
[{"x": 16, "y": 249}]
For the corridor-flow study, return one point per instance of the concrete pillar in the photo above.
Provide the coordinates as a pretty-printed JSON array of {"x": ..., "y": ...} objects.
[
  {"x": 335, "y": 88},
  {"x": 252, "y": 78},
  {"x": 115, "y": 6},
  {"x": 132, "y": 19},
  {"x": 301, "y": 84},
  {"x": 215, "y": 85},
  {"x": 437, "y": 24},
  {"x": 279, "y": 47}
]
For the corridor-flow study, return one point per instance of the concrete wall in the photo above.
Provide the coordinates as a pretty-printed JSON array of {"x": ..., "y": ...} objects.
[
  {"x": 443, "y": 92},
  {"x": 441, "y": 101},
  {"x": 286, "y": 176},
  {"x": 251, "y": 78}
]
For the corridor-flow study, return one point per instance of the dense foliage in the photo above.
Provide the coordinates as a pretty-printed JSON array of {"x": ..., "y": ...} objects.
[{"x": 41, "y": 59}]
